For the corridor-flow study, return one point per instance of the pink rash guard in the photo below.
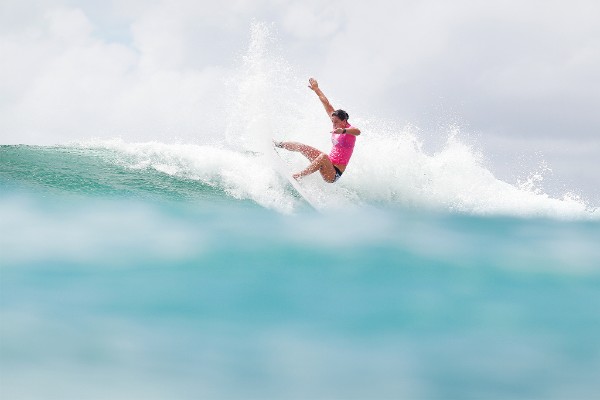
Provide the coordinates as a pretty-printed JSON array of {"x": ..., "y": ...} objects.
[{"x": 343, "y": 146}]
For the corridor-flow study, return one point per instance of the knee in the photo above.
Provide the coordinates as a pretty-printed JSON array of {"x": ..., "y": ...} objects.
[{"x": 324, "y": 159}]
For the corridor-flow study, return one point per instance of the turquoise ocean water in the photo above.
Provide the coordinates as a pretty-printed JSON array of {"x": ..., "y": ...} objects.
[{"x": 165, "y": 271}]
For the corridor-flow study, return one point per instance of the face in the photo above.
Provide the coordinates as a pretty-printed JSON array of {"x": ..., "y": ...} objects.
[{"x": 337, "y": 122}]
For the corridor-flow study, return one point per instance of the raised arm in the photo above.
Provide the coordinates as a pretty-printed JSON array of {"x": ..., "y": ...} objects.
[{"x": 314, "y": 86}]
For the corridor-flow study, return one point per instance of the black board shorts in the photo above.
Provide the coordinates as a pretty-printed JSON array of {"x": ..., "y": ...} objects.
[{"x": 338, "y": 173}]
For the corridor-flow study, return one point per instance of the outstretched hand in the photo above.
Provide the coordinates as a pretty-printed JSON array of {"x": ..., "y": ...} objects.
[{"x": 314, "y": 86}]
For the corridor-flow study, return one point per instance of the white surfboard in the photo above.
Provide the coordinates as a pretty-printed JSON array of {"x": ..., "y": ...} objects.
[{"x": 284, "y": 170}]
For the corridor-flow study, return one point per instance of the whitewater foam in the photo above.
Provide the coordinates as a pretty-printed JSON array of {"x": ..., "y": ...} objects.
[
  {"x": 451, "y": 180},
  {"x": 389, "y": 166}
]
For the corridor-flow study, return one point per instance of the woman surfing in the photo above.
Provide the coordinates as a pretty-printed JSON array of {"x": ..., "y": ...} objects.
[{"x": 343, "y": 137}]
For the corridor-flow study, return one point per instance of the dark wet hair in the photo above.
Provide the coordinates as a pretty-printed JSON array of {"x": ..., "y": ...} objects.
[{"x": 341, "y": 114}]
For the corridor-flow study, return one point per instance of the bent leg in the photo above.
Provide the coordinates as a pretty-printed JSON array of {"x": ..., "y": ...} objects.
[
  {"x": 321, "y": 163},
  {"x": 307, "y": 151}
]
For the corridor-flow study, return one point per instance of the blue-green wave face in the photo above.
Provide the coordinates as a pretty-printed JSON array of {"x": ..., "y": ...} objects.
[
  {"x": 95, "y": 172},
  {"x": 148, "y": 270}
]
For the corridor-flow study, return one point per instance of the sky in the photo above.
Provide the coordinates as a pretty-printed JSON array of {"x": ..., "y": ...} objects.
[{"x": 520, "y": 80}]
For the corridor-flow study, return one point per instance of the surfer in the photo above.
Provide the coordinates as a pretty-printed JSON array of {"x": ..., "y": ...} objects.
[{"x": 343, "y": 137}]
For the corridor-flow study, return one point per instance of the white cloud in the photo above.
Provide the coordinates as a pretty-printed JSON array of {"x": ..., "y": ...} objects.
[
  {"x": 64, "y": 82},
  {"x": 313, "y": 20}
]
